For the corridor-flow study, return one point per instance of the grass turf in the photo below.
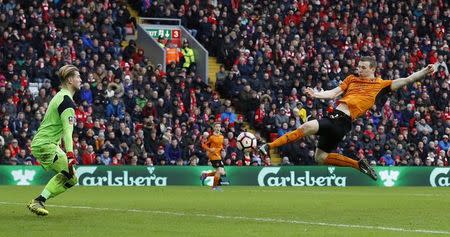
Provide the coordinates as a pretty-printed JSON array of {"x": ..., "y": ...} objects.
[{"x": 238, "y": 211}]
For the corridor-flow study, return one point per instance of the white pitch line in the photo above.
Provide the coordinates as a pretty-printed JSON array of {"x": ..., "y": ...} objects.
[
  {"x": 257, "y": 219},
  {"x": 342, "y": 193}
]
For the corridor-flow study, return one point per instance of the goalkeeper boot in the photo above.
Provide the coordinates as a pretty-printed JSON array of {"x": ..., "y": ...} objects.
[
  {"x": 37, "y": 207},
  {"x": 365, "y": 168}
]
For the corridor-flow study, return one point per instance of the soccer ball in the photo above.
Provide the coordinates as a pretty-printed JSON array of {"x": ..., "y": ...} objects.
[{"x": 246, "y": 140}]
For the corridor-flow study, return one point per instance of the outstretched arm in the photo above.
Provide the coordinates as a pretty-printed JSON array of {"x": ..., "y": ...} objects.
[
  {"x": 399, "y": 83},
  {"x": 329, "y": 94}
]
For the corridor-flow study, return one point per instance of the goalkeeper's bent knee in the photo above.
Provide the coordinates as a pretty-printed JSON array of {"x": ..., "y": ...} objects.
[{"x": 71, "y": 182}]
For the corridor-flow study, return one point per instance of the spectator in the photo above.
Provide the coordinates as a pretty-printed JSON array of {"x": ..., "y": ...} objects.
[
  {"x": 281, "y": 118},
  {"x": 423, "y": 127},
  {"x": 188, "y": 57},
  {"x": 21, "y": 156},
  {"x": 14, "y": 147},
  {"x": 28, "y": 161},
  {"x": 17, "y": 124},
  {"x": 229, "y": 115},
  {"x": 9, "y": 107},
  {"x": 115, "y": 110},
  {"x": 148, "y": 162},
  {"x": 283, "y": 129},
  {"x": 160, "y": 156},
  {"x": 13, "y": 161},
  {"x": 89, "y": 157},
  {"x": 387, "y": 159},
  {"x": 105, "y": 158},
  {"x": 444, "y": 144},
  {"x": 117, "y": 159},
  {"x": 86, "y": 94},
  {"x": 172, "y": 152},
  {"x": 190, "y": 152},
  {"x": 138, "y": 148},
  {"x": 285, "y": 161}
]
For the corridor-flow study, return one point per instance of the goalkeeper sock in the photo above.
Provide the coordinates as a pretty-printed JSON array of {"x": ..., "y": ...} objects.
[
  {"x": 41, "y": 198},
  {"x": 56, "y": 185},
  {"x": 71, "y": 182},
  {"x": 340, "y": 160},
  {"x": 287, "y": 138},
  {"x": 59, "y": 184}
]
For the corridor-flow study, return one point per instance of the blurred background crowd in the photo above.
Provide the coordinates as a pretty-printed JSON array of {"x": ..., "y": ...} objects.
[{"x": 131, "y": 112}]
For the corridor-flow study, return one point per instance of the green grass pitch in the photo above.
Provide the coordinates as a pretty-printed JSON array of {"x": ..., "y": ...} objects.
[{"x": 237, "y": 211}]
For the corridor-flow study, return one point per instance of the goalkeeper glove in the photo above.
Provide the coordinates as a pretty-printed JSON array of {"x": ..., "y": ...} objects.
[{"x": 71, "y": 158}]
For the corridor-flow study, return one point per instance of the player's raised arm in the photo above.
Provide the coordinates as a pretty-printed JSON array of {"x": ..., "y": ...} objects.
[
  {"x": 399, "y": 83},
  {"x": 329, "y": 94}
]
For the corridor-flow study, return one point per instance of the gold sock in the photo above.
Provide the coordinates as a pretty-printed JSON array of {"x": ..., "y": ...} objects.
[
  {"x": 286, "y": 138},
  {"x": 340, "y": 160},
  {"x": 216, "y": 181}
]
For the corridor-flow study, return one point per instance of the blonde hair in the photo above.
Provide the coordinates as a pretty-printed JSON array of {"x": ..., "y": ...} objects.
[{"x": 67, "y": 71}]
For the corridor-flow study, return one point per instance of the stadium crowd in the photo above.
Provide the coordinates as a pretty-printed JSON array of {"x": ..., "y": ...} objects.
[
  {"x": 273, "y": 50},
  {"x": 130, "y": 112}
]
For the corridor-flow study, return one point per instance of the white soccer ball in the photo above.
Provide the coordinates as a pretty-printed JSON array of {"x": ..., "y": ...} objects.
[{"x": 246, "y": 140}]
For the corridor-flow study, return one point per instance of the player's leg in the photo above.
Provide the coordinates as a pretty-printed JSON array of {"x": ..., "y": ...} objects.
[
  {"x": 45, "y": 155},
  {"x": 336, "y": 159},
  {"x": 331, "y": 133},
  {"x": 325, "y": 158},
  {"x": 306, "y": 129},
  {"x": 206, "y": 175},
  {"x": 223, "y": 178},
  {"x": 64, "y": 179},
  {"x": 214, "y": 165},
  {"x": 216, "y": 177},
  {"x": 212, "y": 173},
  {"x": 209, "y": 174},
  {"x": 37, "y": 205},
  {"x": 219, "y": 172}
]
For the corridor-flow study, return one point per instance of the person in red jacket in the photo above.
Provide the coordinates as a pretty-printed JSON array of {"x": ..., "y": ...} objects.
[
  {"x": 259, "y": 116},
  {"x": 14, "y": 147},
  {"x": 89, "y": 157},
  {"x": 80, "y": 114}
]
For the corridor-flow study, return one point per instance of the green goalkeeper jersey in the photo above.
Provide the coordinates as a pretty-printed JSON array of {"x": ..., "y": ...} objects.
[{"x": 58, "y": 122}]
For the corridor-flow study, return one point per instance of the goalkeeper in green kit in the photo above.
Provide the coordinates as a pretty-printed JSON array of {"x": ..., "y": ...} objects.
[{"x": 58, "y": 123}]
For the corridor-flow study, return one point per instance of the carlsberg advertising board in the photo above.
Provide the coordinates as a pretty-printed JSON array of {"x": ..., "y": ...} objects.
[
  {"x": 271, "y": 176},
  {"x": 92, "y": 176},
  {"x": 299, "y": 176}
]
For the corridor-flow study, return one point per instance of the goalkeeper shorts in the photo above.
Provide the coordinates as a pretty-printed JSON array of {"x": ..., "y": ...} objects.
[{"x": 51, "y": 157}]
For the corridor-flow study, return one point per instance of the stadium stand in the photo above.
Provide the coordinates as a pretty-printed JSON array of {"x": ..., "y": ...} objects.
[
  {"x": 130, "y": 112},
  {"x": 273, "y": 50}
]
